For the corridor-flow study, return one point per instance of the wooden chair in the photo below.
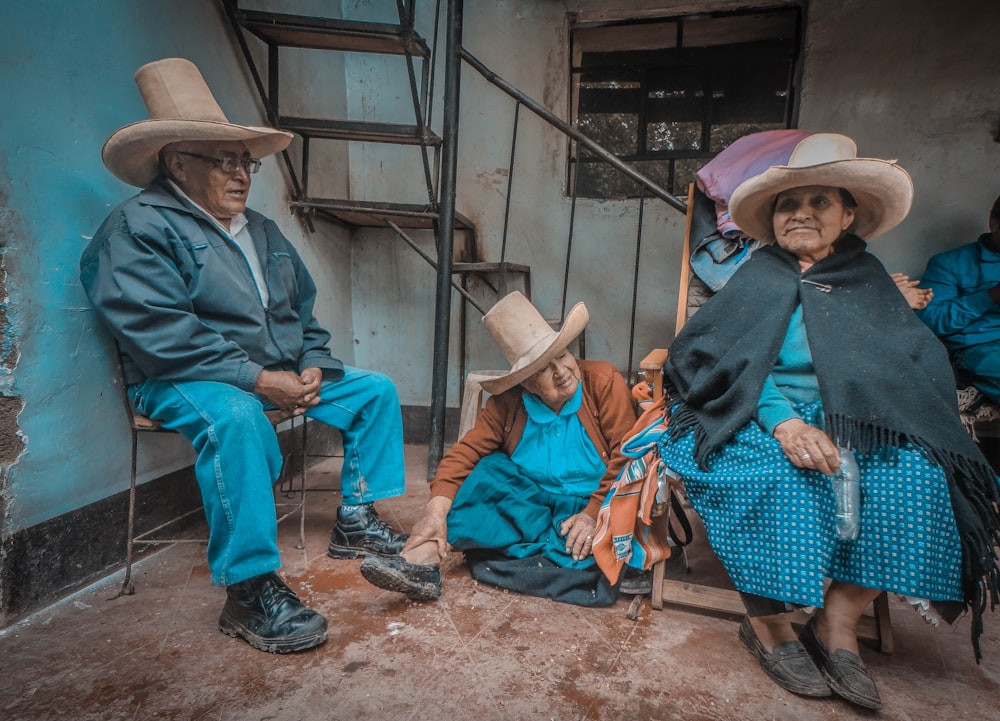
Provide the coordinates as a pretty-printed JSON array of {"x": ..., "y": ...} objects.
[
  {"x": 286, "y": 486},
  {"x": 699, "y": 595}
]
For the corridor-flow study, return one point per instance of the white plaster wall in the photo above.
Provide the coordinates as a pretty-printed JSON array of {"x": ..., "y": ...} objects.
[
  {"x": 908, "y": 79},
  {"x": 526, "y": 43},
  {"x": 915, "y": 80}
]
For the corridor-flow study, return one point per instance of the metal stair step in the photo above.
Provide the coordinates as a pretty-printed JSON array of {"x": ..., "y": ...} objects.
[
  {"x": 364, "y": 131},
  {"x": 376, "y": 214},
  {"x": 300, "y": 31},
  {"x": 484, "y": 267}
]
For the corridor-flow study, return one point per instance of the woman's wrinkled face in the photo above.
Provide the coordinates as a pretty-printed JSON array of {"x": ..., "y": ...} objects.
[
  {"x": 555, "y": 383},
  {"x": 809, "y": 220}
]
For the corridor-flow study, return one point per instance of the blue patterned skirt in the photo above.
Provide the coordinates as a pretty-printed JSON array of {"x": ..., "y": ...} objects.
[{"x": 771, "y": 524}]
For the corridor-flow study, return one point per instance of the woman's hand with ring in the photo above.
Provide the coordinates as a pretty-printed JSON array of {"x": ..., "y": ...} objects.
[
  {"x": 579, "y": 531},
  {"x": 807, "y": 447}
]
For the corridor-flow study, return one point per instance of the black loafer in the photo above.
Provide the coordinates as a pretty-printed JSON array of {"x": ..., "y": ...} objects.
[
  {"x": 788, "y": 664},
  {"x": 394, "y": 573},
  {"x": 844, "y": 671}
]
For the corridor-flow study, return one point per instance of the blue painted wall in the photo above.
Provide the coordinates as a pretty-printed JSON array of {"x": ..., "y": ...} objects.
[{"x": 66, "y": 76}]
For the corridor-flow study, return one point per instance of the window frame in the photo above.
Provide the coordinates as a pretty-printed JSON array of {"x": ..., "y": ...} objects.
[{"x": 640, "y": 43}]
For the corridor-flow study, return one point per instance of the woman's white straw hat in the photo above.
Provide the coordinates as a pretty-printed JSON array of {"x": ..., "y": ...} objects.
[
  {"x": 526, "y": 339},
  {"x": 883, "y": 190},
  {"x": 181, "y": 108}
]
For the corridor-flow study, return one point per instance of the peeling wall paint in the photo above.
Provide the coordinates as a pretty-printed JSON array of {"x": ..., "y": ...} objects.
[
  {"x": 67, "y": 70},
  {"x": 11, "y": 439}
]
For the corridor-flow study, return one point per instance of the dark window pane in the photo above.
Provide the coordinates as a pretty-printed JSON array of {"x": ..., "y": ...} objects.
[
  {"x": 614, "y": 131},
  {"x": 673, "y": 136},
  {"x": 723, "y": 135},
  {"x": 684, "y": 174},
  {"x": 667, "y": 109},
  {"x": 656, "y": 170},
  {"x": 600, "y": 180}
]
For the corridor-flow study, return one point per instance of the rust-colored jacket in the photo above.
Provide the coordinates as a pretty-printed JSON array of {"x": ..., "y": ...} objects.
[{"x": 606, "y": 413}]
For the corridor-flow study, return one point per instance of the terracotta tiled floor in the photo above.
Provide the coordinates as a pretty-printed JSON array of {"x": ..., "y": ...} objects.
[{"x": 478, "y": 654}]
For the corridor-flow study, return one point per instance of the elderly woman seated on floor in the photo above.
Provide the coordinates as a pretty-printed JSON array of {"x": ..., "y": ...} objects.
[{"x": 519, "y": 493}]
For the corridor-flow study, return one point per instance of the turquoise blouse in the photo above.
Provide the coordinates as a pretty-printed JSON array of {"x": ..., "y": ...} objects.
[
  {"x": 792, "y": 381},
  {"x": 555, "y": 450}
]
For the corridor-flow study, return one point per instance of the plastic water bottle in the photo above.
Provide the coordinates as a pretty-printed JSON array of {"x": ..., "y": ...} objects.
[{"x": 847, "y": 496}]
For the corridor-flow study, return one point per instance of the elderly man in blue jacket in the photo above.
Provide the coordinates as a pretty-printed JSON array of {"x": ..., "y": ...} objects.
[{"x": 212, "y": 310}]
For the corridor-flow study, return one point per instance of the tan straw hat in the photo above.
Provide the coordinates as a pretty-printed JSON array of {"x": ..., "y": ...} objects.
[
  {"x": 883, "y": 190},
  {"x": 181, "y": 108},
  {"x": 526, "y": 338}
]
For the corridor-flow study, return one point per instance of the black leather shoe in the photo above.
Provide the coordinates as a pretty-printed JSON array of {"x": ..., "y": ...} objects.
[
  {"x": 394, "y": 573},
  {"x": 844, "y": 671},
  {"x": 360, "y": 531},
  {"x": 636, "y": 582},
  {"x": 789, "y": 664},
  {"x": 269, "y": 616}
]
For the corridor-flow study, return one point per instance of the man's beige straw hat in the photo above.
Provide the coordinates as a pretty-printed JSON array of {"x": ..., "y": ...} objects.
[{"x": 181, "y": 108}]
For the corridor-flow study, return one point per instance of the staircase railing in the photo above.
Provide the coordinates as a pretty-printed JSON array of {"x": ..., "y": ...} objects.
[{"x": 442, "y": 314}]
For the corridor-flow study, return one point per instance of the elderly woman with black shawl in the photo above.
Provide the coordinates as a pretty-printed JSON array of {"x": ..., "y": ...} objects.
[{"x": 808, "y": 359}]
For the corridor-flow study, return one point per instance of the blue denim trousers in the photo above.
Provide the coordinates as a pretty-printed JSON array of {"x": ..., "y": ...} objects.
[{"x": 238, "y": 458}]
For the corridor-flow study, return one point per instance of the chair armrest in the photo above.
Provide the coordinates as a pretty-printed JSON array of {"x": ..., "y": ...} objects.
[
  {"x": 652, "y": 370},
  {"x": 654, "y": 360}
]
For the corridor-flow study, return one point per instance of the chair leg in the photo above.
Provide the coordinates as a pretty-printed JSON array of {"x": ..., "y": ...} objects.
[
  {"x": 659, "y": 573},
  {"x": 128, "y": 587},
  {"x": 883, "y": 625},
  {"x": 302, "y": 500}
]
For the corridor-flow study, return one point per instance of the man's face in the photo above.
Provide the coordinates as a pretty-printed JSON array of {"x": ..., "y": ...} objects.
[{"x": 222, "y": 194}]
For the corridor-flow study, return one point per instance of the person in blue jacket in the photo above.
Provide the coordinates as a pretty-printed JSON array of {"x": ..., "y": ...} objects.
[
  {"x": 965, "y": 309},
  {"x": 212, "y": 311}
]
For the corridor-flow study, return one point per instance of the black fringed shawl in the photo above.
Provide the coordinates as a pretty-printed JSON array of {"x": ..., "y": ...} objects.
[{"x": 884, "y": 378}]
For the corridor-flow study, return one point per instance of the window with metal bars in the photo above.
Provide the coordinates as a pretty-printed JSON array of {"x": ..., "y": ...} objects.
[{"x": 667, "y": 95}]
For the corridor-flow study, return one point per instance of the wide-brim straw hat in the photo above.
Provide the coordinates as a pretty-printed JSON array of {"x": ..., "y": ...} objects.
[
  {"x": 883, "y": 190},
  {"x": 526, "y": 339},
  {"x": 181, "y": 108}
]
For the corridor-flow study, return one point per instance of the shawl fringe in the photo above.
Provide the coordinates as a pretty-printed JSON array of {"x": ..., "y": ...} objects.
[{"x": 973, "y": 488}]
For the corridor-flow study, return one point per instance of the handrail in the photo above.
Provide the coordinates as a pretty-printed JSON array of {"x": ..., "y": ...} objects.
[
  {"x": 647, "y": 186},
  {"x": 553, "y": 119}
]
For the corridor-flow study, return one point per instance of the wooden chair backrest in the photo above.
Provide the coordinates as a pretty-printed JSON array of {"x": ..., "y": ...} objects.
[{"x": 652, "y": 364}]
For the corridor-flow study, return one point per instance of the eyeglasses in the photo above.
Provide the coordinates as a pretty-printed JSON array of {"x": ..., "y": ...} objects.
[{"x": 227, "y": 163}]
